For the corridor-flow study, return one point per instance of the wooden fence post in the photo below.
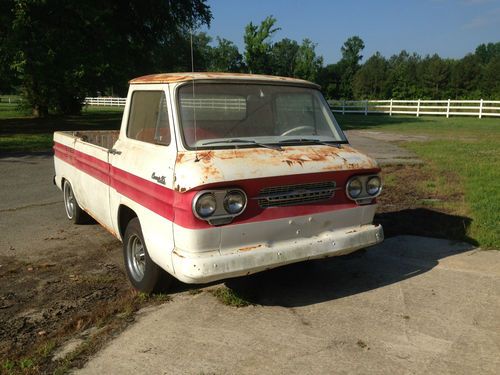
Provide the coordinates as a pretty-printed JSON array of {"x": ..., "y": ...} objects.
[
  {"x": 366, "y": 107},
  {"x": 418, "y": 108},
  {"x": 448, "y": 109},
  {"x": 481, "y": 108},
  {"x": 390, "y": 109},
  {"x": 343, "y": 107}
]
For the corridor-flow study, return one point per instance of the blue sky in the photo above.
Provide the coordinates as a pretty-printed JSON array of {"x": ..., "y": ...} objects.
[{"x": 450, "y": 28}]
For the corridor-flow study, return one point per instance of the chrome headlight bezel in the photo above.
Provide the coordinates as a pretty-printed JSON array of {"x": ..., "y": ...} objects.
[
  {"x": 364, "y": 197},
  {"x": 232, "y": 194},
  {"x": 359, "y": 189},
  {"x": 378, "y": 188},
  {"x": 222, "y": 214},
  {"x": 197, "y": 201}
]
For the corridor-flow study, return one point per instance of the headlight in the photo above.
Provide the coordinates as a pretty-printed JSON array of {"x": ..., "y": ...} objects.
[
  {"x": 234, "y": 202},
  {"x": 206, "y": 205},
  {"x": 354, "y": 188},
  {"x": 373, "y": 185}
]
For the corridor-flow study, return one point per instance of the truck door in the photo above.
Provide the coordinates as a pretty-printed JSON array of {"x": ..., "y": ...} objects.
[{"x": 142, "y": 169}]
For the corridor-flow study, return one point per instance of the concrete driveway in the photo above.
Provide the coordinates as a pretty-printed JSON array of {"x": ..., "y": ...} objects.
[{"x": 411, "y": 305}]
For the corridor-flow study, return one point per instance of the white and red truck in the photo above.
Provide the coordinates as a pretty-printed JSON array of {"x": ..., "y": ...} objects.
[{"x": 218, "y": 175}]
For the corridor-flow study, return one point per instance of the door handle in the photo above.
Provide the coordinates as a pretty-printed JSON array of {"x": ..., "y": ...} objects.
[{"x": 114, "y": 151}]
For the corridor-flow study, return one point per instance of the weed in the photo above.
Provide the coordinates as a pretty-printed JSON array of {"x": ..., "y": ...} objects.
[{"x": 229, "y": 297}]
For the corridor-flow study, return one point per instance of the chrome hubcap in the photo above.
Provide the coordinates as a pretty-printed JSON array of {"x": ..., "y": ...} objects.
[
  {"x": 69, "y": 200},
  {"x": 136, "y": 257}
]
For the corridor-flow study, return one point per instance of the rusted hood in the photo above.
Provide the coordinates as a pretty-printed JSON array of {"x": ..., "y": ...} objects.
[{"x": 196, "y": 168}]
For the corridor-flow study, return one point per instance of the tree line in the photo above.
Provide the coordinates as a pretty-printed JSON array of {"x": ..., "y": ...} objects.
[{"x": 56, "y": 52}]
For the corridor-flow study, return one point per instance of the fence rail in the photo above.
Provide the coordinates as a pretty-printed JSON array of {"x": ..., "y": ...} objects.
[
  {"x": 419, "y": 107},
  {"x": 480, "y": 108},
  {"x": 106, "y": 101}
]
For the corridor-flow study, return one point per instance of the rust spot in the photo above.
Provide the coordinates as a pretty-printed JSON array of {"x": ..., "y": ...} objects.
[
  {"x": 179, "y": 157},
  {"x": 184, "y": 77},
  {"x": 248, "y": 248},
  {"x": 179, "y": 188}
]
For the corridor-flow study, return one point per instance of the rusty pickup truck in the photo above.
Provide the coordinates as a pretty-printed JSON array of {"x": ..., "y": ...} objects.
[{"x": 217, "y": 175}]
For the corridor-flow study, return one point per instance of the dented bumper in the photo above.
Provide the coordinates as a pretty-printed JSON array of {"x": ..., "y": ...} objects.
[{"x": 211, "y": 266}]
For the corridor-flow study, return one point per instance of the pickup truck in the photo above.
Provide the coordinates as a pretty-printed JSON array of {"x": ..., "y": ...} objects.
[{"x": 216, "y": 175}]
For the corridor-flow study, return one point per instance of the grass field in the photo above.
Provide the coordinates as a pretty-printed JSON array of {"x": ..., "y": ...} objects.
[
  {"x": 462, "y": 158},
  {"x": 21, "y": 133}
]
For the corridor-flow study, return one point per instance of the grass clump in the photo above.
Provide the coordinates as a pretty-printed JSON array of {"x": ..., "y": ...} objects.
[{"x": 229, "y": 297}]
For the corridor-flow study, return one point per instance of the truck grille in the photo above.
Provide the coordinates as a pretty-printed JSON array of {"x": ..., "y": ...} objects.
[{"x": 290, "y": 195}]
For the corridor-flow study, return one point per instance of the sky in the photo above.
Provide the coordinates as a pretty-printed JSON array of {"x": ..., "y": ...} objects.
[{"x": 450, "y": 28}]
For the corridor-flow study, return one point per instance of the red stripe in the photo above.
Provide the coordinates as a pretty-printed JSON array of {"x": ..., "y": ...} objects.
[{"x": 176, "y": 206}]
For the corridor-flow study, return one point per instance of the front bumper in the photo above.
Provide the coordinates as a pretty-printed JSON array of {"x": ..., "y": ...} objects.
[{"x": 207, "y": 267}]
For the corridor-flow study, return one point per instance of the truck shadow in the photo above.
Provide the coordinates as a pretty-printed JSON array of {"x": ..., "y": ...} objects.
[{"x": 401, "y": 256}]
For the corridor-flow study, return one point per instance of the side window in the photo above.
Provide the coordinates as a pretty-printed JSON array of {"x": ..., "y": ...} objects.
[{"x": 148, "y": 118}]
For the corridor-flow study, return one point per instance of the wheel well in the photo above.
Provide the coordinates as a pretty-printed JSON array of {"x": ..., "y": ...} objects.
[{"x": 125, "y": 214}]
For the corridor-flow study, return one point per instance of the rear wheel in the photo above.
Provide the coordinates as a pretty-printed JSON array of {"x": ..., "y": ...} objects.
[
  {"x": 144, "y": 274},
  {"x": 73, "y": 210}
]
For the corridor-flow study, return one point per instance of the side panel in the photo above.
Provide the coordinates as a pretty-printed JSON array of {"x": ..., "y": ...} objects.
[
  {"x": 92, "y": 187},
  {"x": 86, "y": 167},
  {"x": 140, "y": 172}
]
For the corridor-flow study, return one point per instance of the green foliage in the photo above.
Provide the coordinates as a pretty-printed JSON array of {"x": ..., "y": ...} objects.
[
  {"x": 283, "y": 57},
  {"x": 307, "y": 63},
  {"x": 230, "y": 297},
  {"x": 225, "y": 57},
  {"x": 62, "y": 51},
  {"x": 370, "y": 80},
  {"x": 258, "y": 45}
]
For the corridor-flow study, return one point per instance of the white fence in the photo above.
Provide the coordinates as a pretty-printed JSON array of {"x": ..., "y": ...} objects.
[
  {"x": 419, "y": 107},
  {"x": 480, "y": 108},
  {"x": 106, "y": 101}
]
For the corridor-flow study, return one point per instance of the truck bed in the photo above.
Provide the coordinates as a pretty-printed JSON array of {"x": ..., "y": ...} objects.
[{"x": 101, "y": 138}]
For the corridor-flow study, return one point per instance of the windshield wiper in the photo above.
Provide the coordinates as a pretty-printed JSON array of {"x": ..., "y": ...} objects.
[
  {"x": 315, "y": 141},
  {"x": 236, "y": 140}
]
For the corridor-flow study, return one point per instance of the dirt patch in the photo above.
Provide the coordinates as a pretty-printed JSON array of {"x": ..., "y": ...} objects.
[
  {"x": 411, "y": 203},
  {"x": 47, "y": 303}
]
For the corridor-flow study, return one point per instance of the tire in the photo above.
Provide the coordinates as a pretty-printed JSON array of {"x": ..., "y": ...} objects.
[
  {"x": 144, "y": 274},
  {"x": 71, "y": 206}
]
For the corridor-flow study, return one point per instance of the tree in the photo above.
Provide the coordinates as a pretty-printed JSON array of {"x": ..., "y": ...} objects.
[
  {"x": 349, "y": 64},
  {"x": 258, "y": 45},
  {"x": 307, "y": 63},
  {"x": 487, "y": 52},
  {"x": 371, "y": 79},
  {"x": 434, "y": 75},
  {"x": 283, "y": 54},
  {"x": 225, "y": 57},
  {"x": 402, "y": 76},
  {"x": 63, "y": 50}
]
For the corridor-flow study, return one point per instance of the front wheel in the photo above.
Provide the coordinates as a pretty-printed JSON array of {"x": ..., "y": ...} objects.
[
  {"x": 143, "y": 273},
  {"x": 73, "y": 210}
]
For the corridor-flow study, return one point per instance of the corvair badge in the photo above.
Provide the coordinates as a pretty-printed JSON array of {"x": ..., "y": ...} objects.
[{"x": 159, "y": 179}]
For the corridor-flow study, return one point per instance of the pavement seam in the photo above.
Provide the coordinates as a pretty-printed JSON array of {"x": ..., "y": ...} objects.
[{"x": 28, "y": 206}]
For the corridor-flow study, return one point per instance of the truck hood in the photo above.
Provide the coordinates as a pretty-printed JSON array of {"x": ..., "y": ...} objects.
[{"x": 203, "y": 167}]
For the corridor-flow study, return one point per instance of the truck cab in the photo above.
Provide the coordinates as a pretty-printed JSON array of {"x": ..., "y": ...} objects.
[{"x": 218, "y": 175}]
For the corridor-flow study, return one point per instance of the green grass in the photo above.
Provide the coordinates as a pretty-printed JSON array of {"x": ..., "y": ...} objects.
[
  {"x": 20, "y": 133},
  {"x": 465, "y": 147},
  {"x": 229, "y": 297}
]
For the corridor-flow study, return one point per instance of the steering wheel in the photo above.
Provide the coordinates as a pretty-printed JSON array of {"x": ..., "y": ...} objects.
[{"x": 298, "y": 128}]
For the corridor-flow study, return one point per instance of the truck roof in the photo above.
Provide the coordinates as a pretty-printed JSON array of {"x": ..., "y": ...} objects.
[{"x": 185, "y": 77}]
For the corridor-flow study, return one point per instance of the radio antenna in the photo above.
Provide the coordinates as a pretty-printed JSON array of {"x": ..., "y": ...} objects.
[{"x": 194, "y": 97}]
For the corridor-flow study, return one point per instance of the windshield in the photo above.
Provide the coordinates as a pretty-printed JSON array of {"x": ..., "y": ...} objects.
[{"x": 215, "y": 115}]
